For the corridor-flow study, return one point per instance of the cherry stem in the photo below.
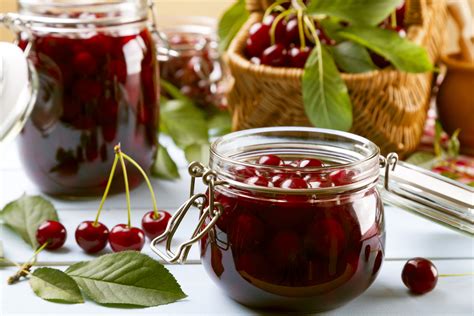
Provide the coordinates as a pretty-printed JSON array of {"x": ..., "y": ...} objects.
[
  {"x": 106, "y": 192},
  {"x": 301, "y": 29},
  {"x": 276, "y": 21},
  {"x": 313, "y": 31},
  {"x": 24, "y": 269},
  {"x": 275, "y": 6},
  {"x": 393, "y": 18},
  {"x": 147, "y": 180},
  {"x": 298, "y": 4},
  {"x": 456, "y": 275},
  {"x": 118, "y": 152}
]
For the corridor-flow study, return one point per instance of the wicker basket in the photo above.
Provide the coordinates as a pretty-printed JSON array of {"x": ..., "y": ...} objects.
[{"x": 389, "y": 107}]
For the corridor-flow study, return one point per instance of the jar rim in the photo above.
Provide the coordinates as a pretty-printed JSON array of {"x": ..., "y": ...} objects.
[
  {"x": 368, "y": 160},
  {"x": 70, "y": 14}
]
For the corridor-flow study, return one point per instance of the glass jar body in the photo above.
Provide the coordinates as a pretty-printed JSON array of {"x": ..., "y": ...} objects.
[
  {"x": 97, "y": 87},
  {"x": 195, "y": 66},
  {"x": 312, "y": 249},
  {"x": 296, "y": 254}
]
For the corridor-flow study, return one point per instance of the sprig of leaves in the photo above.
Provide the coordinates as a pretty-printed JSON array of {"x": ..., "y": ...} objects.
[
  {"x": 325, "y": 96},
  {"x": 190, "y": 128},
  {"x": 25, "y": 214}
]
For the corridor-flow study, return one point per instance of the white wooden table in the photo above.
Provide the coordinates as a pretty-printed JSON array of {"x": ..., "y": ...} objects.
[{"x": 407, "y": 236}]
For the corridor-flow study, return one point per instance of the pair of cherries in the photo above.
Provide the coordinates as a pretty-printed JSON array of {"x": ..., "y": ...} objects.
[{"x": 93, "y": 236}]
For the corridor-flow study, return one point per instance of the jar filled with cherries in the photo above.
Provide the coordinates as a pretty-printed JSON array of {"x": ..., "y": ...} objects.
[
  {"x": 300, "y": 223},
  {"x": 97, "y": 85},
  {"x": 192, "y": 62}
]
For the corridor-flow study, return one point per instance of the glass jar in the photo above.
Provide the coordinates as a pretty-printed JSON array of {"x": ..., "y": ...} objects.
[
  {"x": 293, "y": 220},
  {"x": 193, "y": 63},
  {"x": 98, "y": 85}
]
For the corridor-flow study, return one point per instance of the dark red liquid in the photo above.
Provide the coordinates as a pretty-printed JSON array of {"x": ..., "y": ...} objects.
[
  {"x": 93, "y": 93},
  {"x": 295, "y": 252}
]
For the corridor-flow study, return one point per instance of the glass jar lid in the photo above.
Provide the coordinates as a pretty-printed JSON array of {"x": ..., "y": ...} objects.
[{"x": 18, "y": 86}]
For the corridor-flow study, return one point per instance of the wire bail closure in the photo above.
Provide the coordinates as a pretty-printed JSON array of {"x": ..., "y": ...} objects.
[{"x": 209, "y": 209}]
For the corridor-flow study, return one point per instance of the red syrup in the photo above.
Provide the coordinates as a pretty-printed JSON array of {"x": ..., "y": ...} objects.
[
  {"x": 295, "y": 252},
  {"x": 93, "y": 93}
]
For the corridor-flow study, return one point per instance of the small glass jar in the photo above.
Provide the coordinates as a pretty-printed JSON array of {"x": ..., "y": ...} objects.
[
  {"x": 98, "y": 85},
  {"x": 193, "y": 62}
]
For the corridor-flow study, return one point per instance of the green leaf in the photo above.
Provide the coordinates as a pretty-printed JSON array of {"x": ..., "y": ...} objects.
[
  {"x": 55, "y": 286},
  {"x": 368, "y": 12},
  {"x": 197, "y": 152},
  {"x": 454, "y": 146},
  {"x": 423, "y": 159},
  {"x": 403, "y": 54},
  {"x": 437, "y": 139},
  {"x": 184, "y": 122},
  {"x": 174, "y": 92},
  {"x": 25, "y": 215},
  {"x": 127, "y": 278},
  {"x": 219, "y": 123},
  {"x": 230, "y": 23},
  {"x": 164, "y": 167},
  {"x": 352, "y": 58},
  {"x": 325, "y": 95}
]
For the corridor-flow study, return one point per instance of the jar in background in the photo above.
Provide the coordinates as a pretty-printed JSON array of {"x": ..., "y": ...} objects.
[
  {"x": 193, "y": 63},
  {"x": 98, "y": 85}
]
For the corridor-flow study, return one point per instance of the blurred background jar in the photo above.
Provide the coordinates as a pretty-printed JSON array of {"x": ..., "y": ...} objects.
[
  {"x": 98, "y": 85},
  {"x": 194, "y": 64}
]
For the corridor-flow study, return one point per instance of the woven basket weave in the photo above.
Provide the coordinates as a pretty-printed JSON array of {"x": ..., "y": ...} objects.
[{"x": 389, "y": 107}]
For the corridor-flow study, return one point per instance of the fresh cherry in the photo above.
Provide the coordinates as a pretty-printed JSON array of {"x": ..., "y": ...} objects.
[
  {"x": 294, "y": 182},
  {"x": 420, "y": 275},
  {"x": 280, "y": 29},
  {"x": 122, "y": 237},
  {"x": 400, "y": 12},
  {"x": 269, "y": 160},
  {"x": 154, "y": 224},
  {"x": 297, "y": 56},
  {"x": 244, "y": 172},
  {"x": 275, "y": 55},
  {"x": 259, "y": 39},
  {"x": 292, "y": 35},
  {"x": 92, "y": 236},
  {"x": 51, "y": 233}
]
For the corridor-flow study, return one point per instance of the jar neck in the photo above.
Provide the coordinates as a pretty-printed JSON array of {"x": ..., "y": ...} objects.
[
  {"x": 341, "y": 152},
  {"x": 71, "y": 16}
]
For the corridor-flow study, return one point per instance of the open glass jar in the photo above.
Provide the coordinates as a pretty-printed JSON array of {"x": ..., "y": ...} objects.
[
  {"x": 302, "y": 230},
  {"x": 97, "y": 85}
]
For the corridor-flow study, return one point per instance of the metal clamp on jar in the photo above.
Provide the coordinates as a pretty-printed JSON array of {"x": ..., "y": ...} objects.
[{"x": 312, "y": 248}]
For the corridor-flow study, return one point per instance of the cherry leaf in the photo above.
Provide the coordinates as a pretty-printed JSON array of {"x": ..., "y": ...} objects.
[
  {"x": 230, "y": 23},
  {"x": 164, "y": 167},
  {"x": 402, "y": 53},
  {"x": 24, "y": 216},
  {"x": 369, "y": 12},
  {"x": 127, "y": 278},
  {"x": 325, "y": 96},
  {"x": 55, "y": 286},
  {"x": 352, "y": 58}
]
